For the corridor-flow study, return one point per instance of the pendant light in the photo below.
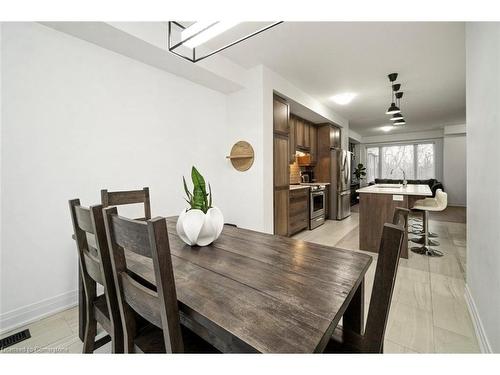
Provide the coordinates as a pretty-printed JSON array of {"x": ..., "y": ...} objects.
[
  {"x": 393, "y": 108},
  {"x": 399, "y": 95},
  {"x": 398, "y": 117}
]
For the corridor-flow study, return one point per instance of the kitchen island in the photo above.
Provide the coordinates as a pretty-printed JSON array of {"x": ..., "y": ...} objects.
[{"x": 376, "y": 207}]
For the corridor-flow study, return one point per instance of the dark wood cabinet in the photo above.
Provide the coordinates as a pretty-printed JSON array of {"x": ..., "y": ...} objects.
[
  {"x": 281, "y": 115},
  {"x": 303, "y": 138},
  {"x": 281, "y": 162},
  {"x": 329, "y": 136},
  {"x": 281, "y": 165},
  {"x": 313, "y": 136},
  {"x": 299, "y": 210},
  {"x": 291, "y": 139}
]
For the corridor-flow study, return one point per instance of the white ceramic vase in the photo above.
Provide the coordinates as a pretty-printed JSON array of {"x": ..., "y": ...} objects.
[{"x": 197, "y": 228}]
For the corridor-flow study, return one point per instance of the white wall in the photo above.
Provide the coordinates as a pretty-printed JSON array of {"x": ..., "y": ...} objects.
[
  {"x": 454, "y": 166},
  {"x": 78, "y": 118},
  {"x": 483, "y": 178}
]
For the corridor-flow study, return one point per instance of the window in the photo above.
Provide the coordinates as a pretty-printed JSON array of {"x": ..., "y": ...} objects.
[
  {"x": 416, "y": 160},
  {"x": 372, "y": 163}
]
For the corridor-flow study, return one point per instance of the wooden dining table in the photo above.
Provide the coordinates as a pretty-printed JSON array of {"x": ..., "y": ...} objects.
[{"x": 260, "y": 293}]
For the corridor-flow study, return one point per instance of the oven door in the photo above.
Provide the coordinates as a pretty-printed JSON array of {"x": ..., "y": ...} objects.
[{"x": 317, "y": 204}]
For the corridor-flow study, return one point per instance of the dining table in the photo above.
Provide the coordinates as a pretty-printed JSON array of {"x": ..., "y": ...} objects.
[{"x": 253, "y": 292}]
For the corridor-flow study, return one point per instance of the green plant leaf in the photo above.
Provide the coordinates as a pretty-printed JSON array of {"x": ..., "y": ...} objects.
[{"x": 210, "y": 196}]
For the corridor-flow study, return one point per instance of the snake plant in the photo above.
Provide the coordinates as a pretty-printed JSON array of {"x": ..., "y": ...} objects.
[{"x": 199, "y": 198}]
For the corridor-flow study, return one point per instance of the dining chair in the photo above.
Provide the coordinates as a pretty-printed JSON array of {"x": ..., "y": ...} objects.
[
  {"x": 400, "y": 217},
  {"x": 120, "y": 198},
  {"x": 150, "y": 314},
  {"x": 346, "y": 341},
  {"x": 95, "y": 268}
]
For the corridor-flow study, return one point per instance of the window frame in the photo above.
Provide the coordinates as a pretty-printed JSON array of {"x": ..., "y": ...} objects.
[{"x": 415, "y": 154}]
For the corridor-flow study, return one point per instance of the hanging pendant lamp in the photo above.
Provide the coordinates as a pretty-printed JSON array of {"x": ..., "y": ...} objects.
[{"x": 395, "y": 87}]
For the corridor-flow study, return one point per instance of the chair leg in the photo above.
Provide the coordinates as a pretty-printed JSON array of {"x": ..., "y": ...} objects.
[
  {"x": 117, "y": 341},
  {"x": 90, "y": 332}
]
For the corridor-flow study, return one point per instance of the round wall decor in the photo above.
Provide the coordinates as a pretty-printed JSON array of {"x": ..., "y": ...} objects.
[{"x": 241, "y": 156}]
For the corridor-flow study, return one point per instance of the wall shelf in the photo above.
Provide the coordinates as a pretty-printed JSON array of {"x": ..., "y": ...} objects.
[{"x": 241, "y": 156}]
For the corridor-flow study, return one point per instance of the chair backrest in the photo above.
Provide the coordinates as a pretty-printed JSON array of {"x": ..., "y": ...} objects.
[
  {"x": 158, "y": 306},
  {"x": 93, "y": 254},
  {"x": 383, "y": 285},
  {"x": 441, "y": 198},
  {"x": 120, "y": 198},
  {"x": 401, "y": 217}
]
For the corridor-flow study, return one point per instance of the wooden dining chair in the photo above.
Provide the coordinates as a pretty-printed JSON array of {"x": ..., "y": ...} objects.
[
  {"x": 150, "y": 315},
  {"x": 120, "y": 198},
  {"x": 346, "y": 341},
  {"x": 95, "y": 268},
  {"x": 401, "y": 217}
]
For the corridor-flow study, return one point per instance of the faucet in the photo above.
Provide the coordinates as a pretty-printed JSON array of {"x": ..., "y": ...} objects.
[{"x": 405, "y": 183}]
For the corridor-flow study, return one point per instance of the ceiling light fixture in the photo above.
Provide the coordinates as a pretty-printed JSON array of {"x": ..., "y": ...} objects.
[
  {"x": 201, "y": 32},
  {"x": 196, "y": 34},
  {"x": 344, "y": 98},
  {"x": 395, "y": 87},
  {"x": 396, "y": 117},
  {"x": 392, "y": 109},
  {"x": 399, "y": 122}
]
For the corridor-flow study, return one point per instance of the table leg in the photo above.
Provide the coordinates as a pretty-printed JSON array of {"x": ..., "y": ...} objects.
[
  {"x": 354, "y": 316},
  {"x": 82, "y": 316}
]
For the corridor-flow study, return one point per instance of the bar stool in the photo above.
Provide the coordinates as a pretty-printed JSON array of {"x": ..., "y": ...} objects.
[{"x": 426, "y": 205}]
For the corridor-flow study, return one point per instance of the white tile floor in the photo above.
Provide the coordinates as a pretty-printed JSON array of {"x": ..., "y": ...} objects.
[{"x": 428, "y": 311}]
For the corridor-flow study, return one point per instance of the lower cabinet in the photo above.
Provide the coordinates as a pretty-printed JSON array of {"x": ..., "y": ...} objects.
[
  {"x": 281, "y": 212},
  {"x": 298, "y": 210}
]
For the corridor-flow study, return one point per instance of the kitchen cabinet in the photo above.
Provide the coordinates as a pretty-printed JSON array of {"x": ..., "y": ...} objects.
[
  {"x": 281, "y": 115},
  {"x": 328, "y": 136},
  {"x": 291, "y": 139},
  {"x": 299, "y": 210},
  {"x": 302, "y": 135},
  {"x": 313, "y": 135},
  {"x": 281, "y": 162},
  {"x": 281, "y": 165}
]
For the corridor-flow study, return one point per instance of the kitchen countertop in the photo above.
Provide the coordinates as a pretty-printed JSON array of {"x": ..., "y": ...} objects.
[
  {"x": 421, "y": 190},
  {"x": 314, "y": 183},
  {"x": 307, "y": 185},
  {"x": 296, "y": 187}
]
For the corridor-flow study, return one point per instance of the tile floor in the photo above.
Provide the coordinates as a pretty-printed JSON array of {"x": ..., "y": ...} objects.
[{"x": 428, "y": 311}]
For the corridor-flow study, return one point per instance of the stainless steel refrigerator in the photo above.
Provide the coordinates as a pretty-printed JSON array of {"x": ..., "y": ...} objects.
[{"x": 340, "y": 188}]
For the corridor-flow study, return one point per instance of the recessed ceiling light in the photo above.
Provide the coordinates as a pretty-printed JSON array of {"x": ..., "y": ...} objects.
[
  {"x": 344, "y": 98},
  {"x": 387, "y": 128}
]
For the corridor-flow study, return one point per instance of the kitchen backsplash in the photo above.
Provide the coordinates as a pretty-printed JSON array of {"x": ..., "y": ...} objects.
[{"x": 295, "y": 173}]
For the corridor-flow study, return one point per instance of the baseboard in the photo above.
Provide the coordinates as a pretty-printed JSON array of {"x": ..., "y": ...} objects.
[
  {"x": 28, "y": 314},
  {"x": 456, "y": 204},
  {"x": 482, "y": 339}
]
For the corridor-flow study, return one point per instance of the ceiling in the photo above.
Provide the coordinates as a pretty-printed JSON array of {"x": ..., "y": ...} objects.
[{"x": 328, "y": 58}]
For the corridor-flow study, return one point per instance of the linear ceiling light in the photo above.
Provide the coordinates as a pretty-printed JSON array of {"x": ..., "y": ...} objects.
[{"x": 199, "y": 33}]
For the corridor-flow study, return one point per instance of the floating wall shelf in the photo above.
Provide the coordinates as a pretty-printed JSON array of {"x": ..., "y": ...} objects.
[{"x": 241, "y": 156}]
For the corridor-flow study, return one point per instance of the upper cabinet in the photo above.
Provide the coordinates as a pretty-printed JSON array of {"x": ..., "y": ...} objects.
[
  {"x": 291, "y": 140},
  {"x": 303, "y": 137},
  {"x": 329, "y": 136},
  {"x": 281, "y": 115},
  {"x": 313, "y": 136}
]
